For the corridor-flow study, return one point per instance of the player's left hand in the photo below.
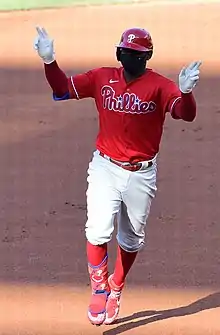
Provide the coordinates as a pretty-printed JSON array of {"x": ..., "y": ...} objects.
[
  {"x": 189, "y": 77},
  {"x": 43, "y": 44}
]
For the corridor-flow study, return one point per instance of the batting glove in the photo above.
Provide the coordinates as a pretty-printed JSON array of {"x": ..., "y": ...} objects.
[
  {"x": 189, "y": 77},
  {"x": 44, "y": 46}
]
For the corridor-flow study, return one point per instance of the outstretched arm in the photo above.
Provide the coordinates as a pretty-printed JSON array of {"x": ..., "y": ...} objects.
[
  {"x": 56, "y": 78},
  {"x": 63, "y": 87},
  {"x": 185, "y": 107}
]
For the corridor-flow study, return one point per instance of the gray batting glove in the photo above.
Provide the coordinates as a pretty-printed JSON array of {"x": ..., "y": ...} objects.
[
  {"x": 189, "y": 77},
  {"x": 43, "y": 44}
]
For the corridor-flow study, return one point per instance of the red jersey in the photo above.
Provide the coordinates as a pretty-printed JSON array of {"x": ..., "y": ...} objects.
[{"x": 131, "y": 115}]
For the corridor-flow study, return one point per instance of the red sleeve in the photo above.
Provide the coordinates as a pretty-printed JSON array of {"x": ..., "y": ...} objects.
[
  {"x": 179, "y": 105},
  {"x": 170, "y": 94},
  {"x": 75, "y": 87},
  {"x": 56, "y": 79},
  {"x": 82, "y": 85},
  {"x": 185, "y": 108}
]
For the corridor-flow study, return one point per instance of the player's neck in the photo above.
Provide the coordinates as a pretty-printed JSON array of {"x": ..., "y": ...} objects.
[{"x": 129, "y": 77}]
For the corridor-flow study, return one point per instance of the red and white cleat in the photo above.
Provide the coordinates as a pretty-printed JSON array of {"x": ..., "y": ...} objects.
[
  {"x": 97, "y": 307},
  {"x": 113, "y": 303}
]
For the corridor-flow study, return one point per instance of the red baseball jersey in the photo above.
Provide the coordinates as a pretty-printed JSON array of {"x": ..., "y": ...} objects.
[{"x": 131, "y": 115}]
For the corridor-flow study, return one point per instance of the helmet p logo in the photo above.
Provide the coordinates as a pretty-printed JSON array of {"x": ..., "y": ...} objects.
[{"x": 131, "y": 37}]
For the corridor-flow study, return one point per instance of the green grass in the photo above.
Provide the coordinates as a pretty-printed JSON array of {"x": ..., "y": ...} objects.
[{"x": 29, "y": 4}]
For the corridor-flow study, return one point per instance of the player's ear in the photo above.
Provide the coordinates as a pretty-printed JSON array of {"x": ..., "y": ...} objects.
[{"x": 149, "y": 54}]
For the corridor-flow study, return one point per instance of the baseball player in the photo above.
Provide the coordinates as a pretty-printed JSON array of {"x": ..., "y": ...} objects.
[{"x": 132, "y": 101}]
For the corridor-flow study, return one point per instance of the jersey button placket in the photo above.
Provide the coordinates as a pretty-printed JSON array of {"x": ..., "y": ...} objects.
[{"x": 125, "y": 116}]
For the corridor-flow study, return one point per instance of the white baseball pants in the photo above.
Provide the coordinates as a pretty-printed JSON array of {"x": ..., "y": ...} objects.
[{"x": 114, "y": 192}]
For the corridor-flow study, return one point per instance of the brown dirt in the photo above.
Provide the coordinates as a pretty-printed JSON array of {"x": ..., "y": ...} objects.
[{"x": 45, "y": 148}]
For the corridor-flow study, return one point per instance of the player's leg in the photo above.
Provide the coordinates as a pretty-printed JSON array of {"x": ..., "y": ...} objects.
[
  {"x": 132, "y": 219},
  {"x": 103, "y": 203}
]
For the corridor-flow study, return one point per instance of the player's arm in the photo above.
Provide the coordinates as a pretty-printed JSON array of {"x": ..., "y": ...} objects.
[
  {"x": 181, "y": 102},
  {"x": 184, "y": 108},
  {"x": 63, "y": 88},
  {"x": 74, "y": 87},
  {"x": 57, "y": 80}
]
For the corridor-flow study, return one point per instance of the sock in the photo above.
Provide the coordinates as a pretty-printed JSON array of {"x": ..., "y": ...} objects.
[
  {"x": 124, "y": 262},
  {"x": 96, "y": 253},
  {"x": 98, "y": 266}
]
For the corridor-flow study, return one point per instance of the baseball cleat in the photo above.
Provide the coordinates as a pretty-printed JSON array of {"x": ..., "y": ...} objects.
[
  {"x": 113, "y": 303},
  {"x": 97, "y": 307}
]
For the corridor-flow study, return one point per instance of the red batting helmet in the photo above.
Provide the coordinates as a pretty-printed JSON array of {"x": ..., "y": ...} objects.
[{"x": 136, "y": 39}]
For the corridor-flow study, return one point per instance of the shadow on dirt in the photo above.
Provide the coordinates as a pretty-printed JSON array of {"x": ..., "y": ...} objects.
[{"x": 147, "y": 317}]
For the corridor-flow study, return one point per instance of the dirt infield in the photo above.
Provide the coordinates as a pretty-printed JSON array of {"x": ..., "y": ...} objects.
[{"x": 44, "y": 152}]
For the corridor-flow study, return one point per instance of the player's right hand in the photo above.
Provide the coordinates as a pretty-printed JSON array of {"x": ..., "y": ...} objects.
[{"x": 44, "y": 46}]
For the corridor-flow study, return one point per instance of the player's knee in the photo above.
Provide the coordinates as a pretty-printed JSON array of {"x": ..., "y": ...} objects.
[
  {"x": 131, "y": 248},
  {"x": 131, "y": 245},
  {"x": 131, "y": 242},
  {"x": 98, "y": 236}
]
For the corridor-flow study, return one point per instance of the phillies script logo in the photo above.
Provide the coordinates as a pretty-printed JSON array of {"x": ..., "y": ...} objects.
[{"x": 127, "y": 102}]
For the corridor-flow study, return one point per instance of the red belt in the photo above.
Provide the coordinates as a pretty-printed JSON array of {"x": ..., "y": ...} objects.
[{"x": 129, "y": 166}]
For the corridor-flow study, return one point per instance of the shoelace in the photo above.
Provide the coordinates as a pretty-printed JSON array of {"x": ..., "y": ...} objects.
[
  {"x": 115, "y": 295},
  {"x": 114, "y": 299}
]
